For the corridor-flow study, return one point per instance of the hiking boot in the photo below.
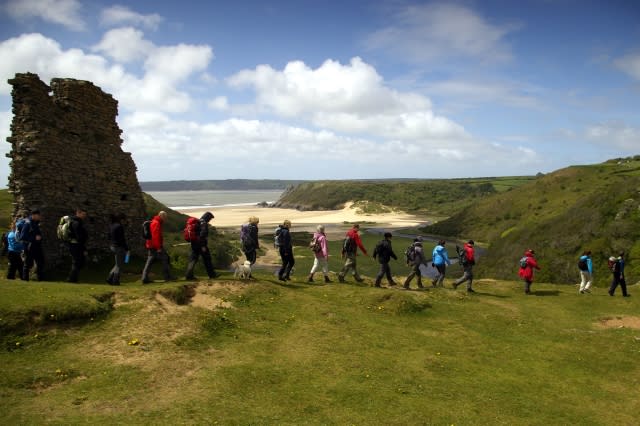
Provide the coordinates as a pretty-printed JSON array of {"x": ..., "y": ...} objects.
[
  {"x": 326, "y": 279},
  {"x": 393, "y": 283},
  {"x": 358, "y": 279},
  {"x": 610, "y": 293},
  {"x": 281, "y": 278},
  {"x": 454, "y": 285},
  {"x": 310, "y": 278},
  {"x": 340, "y": 278},
  {"x": 420, "y": 286},
  {"x": 470, "y": 290},
  {"x": 626, "y": 295}
]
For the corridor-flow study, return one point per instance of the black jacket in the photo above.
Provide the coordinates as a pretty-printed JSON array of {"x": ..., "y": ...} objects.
[
  {"x": 79, "y": 234},
  {"x": 384, "y": 252},
  {"x": 117, "y": 236}
]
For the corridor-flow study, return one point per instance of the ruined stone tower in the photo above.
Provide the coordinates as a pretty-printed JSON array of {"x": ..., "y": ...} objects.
[{"x": 66, "y": 153}]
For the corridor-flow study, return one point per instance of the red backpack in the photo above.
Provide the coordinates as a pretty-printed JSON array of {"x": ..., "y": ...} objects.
[{"x": 191, "y": 230}]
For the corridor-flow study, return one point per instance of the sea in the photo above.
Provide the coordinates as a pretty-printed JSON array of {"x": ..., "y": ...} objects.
[{"x": 178, "y": 200}]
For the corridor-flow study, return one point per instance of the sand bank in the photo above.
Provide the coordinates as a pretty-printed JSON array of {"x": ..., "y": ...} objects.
[{"x": 304, "y": 220}]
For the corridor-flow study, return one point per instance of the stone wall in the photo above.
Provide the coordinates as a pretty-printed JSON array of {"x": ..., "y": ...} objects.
[{"x": 66, "y": 153}]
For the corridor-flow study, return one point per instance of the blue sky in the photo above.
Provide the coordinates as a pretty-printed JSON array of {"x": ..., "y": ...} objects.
[{"x": 343, "y": 89}]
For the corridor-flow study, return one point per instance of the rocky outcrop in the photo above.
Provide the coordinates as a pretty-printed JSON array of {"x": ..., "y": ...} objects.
[{"x": 66, "y": 153}]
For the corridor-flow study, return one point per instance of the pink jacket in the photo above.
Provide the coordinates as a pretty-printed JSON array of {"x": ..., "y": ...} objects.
[{"x": 322, "y": 239}]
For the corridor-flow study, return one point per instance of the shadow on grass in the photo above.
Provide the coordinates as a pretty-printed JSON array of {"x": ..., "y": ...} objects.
[{"x": 545, "y": 293}]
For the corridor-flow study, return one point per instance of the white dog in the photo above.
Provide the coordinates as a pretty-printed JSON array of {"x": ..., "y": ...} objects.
[{"x": 243, "y": 271}]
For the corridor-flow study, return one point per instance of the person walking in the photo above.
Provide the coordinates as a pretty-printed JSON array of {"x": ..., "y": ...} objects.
[
  {"x": 77, "y": 244},
  {"x": 200, "y": 247},
  {"x": 527, "y": 264},
  {"x": 156, "y": 250},
  {"x": 618, "y": 276},
  {"x": 585, "y": 265},
  {"x": 350, "y": 247},
  {"x": 118, "y": 246},
  {"x": 249, "y": 239},
  {"x": 285, "y": 248},
  {"x": 415, "y": 259},
  {"x": 31, "y": 236},
  {"x": 14, "y": 254},
  {"x": 321, "y": 254},
  {"x": 440, "y": 260},
  {"x": 467, "y": 260},
  {"x": 383, "y": 251}
]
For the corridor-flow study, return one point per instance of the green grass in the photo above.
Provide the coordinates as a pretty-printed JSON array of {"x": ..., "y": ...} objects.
[{"x": 322, "y": 354}]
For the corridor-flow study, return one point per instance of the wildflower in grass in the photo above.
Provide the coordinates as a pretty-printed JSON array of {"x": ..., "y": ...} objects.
[{"x": 134, "y": 342}]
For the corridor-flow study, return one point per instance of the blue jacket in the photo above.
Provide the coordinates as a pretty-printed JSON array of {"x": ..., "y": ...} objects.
[
  {"x": 589, "y": 263},
  {"x": 440, "y": 256},
  {"x": 12, "y": 244}
]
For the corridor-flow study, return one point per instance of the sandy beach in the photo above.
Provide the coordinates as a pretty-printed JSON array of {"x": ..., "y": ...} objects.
[{"x": 232, "y": 217}]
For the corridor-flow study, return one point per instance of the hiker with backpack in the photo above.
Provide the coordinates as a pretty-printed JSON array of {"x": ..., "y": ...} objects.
[
  {"x": 414, "y": 256},
  {"x": 30, "y": 235},
  {"x": 320, "y": 250},
  {"x": 285, "y": 247},
  {"x": 156, "y": 250},
  {"x": 118, "y": 246},
  {"x": 527, "y": 264},
  {"x": 585, "y": 265},
  {"x": 350, "y": 247},
  {"x": 384, "y": 252},
  {"x": 616, "y": 266},
  {"x": 14, "y": 253},
  {"x": 77, "y": 243},
  {"x": 249, "y": 239},
  {"x": 197, "y": 233},
  {"x": 440, "y": 260},
  {"x": 467, "y": 259}
]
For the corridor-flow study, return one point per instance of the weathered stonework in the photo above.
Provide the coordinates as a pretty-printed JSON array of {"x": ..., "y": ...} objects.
[{"x": 66, "y": 153}]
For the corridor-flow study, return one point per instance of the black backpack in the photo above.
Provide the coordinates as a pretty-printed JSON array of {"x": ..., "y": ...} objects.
[
  {"x": 462, "y": 256},
  {"x": 410, "y": 254},
  {"x": 582, "y": 265},
  {"x": 146, "y": 229},
  {"x": 349, "y": 245}
]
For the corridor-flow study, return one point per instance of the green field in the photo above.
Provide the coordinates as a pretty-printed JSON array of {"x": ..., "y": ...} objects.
[{"x": 265, "y": 352}]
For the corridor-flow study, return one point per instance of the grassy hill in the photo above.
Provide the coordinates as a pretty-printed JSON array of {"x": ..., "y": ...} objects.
[
  {"x": 227, "y": 352},
  {"x": 435, "y": 196},
  {"x": 595, "y": 207}
]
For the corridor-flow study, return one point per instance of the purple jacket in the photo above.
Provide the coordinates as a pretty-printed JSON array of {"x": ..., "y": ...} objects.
[{"x": 322, "y": 239}]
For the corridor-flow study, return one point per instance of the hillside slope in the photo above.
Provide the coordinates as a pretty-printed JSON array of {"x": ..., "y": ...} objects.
[
  {"x": 579, "y": 208},
  {"x": 440, "y": 196}
]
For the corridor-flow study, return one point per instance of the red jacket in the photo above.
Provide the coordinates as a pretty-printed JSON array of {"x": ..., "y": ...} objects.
[
  {"x": 527, "y": 272},
  {"x": 353, "y": 233},
  {"x": 469, "y": 253},
  {"x": 156, "y": 241}
]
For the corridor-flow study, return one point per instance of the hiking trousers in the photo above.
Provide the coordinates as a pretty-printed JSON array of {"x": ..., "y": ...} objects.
[
  {"x": 15, "y": 265},
  {"x": 198, "y": 250},
  {"x": 287, "y": 262},
  {"x": 33, "y": 254},
  {"x": 114, "y": 275},
  {"x": 585, "y": 280},
  {"x": 466, "y": 276},
  {"x": 350, "y": 265},
  {"x": 385, "y": 270},
  {"x": 77, "y": 261},
  {"x": 320, "y": 263},
  {"x": 439, "y": 279},
  {"x": 152, "y": 256},
  {"x": 415, "y": 272},
  {"x": 618, "y": 280}
]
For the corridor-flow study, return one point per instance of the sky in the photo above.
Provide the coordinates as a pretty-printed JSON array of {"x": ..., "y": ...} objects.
[{"x": 324, "y": 89}]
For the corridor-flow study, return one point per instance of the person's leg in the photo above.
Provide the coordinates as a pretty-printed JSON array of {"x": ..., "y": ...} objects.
[
  {"x": 442, "y": 270},
  {"x": 527, "y": 286},
  {"x": 28, "y": 263},
  {"x": 39, "y": 260},
  {"x": 13, "y": 266},
  {"x": 314, "y": 269},
  {"x": 470, "y": 279},
  {"x": 166, "y": 265},
  {"x": 587, "y": 286},
  {"x": 114, "y": 275},
  {"x": 380, "y": 274},
  {"x": 283, "y": 260},
  {"x": 388, "y": 274},
  {"x": 407, "y": 281},
  {"x": 193, "y": 259},
  {"x": 151, "y": 257},
  {"x": 583, "y": 280},
  {"x": 77, "y": 261},
  {"x": 623, "y": 287},
  {"x": 418, "y": 276},
  {"x": 208, "y": 262},
  {"x": 614, "y": 284},
  {"x": 290, "y": 263}
]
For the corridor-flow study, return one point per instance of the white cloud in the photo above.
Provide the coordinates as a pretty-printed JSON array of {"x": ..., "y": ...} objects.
[
  {"x": 346, "y": 98},
  {"x": 220, "y": 103},
  {"x": 121, "y": 15},
  {"x": 471, "y": 92},
  {"x": 629, "y": 64},
  {"x": 61, "y": 12},
  {"x": 431, "y": 32},
  {"x": 157, "y": 89},
  {"x": 124, "y": 45},
  {"x": 616, "y": 135}
]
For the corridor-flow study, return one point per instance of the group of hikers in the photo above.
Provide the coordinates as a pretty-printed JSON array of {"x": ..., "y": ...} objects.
[
  {"x": 24, "y": 245},
  {"x": 24, "y": 250}
]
